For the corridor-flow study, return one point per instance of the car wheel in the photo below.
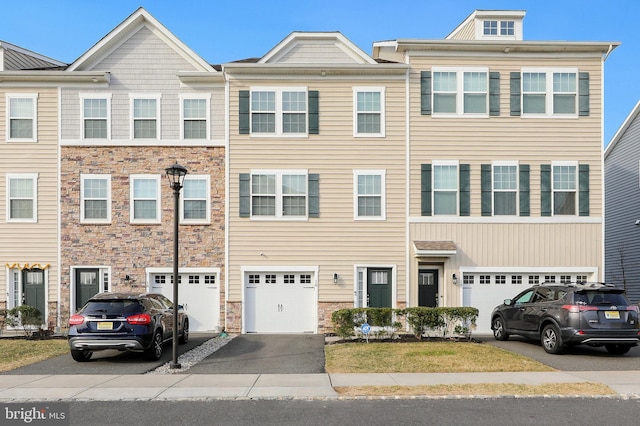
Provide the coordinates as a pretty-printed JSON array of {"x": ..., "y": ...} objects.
[
  {"x": 155, "y": 351},
  {"x": 617, "y": 349},
  {"x": 184, "y": 337},
  {"x": 499, "y": 330},
  {"x": 81, "y": 356},
  {"x": 551, "y": 339}
]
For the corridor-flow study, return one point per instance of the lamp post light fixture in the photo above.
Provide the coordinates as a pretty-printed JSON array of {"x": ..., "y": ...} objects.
[{"x": 175, "y": 174}]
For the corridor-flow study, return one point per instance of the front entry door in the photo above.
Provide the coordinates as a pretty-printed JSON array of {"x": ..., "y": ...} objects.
[
  {"x": 86, "y": 285},
  {"x": 379, "y": 287},
  {"x": 33, "y": 281},
  {"x": 428, "y": 287}
]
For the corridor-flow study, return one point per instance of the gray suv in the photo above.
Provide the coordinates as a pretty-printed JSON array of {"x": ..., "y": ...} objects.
[{"x": 561, "y": 315}]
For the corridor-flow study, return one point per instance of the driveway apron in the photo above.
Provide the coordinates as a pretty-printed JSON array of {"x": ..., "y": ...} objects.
[{"x": 266, "y": 354}]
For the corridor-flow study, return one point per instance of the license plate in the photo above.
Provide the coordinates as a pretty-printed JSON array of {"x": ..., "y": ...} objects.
[
  {"x": 105, "y": 325},
  {"x": 612, "y": 314}
]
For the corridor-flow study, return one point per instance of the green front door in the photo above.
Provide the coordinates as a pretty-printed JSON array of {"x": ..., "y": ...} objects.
[
  {"x": 379, "y": 287},
  {"x": 33, "y": 285},
  {"x": 428, "y": 288},
  {"x": 86, "y": 285}
]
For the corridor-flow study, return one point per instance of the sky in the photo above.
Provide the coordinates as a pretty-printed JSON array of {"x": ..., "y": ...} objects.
[{"x": 226, "y": 30}]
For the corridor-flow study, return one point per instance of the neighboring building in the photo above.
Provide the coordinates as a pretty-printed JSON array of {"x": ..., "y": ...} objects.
[
  {"x": 162, "y": 104},
  {"x": 505, "y": 171},
  {"x": 29, "y": 179},
  {"x": 622, "y": 207}
]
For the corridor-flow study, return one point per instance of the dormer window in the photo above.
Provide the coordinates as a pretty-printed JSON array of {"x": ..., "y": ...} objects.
[{"x": 498, "y": 28}]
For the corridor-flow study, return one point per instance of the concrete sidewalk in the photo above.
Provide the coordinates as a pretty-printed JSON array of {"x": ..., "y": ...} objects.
[{"x": 19, "y": 388}]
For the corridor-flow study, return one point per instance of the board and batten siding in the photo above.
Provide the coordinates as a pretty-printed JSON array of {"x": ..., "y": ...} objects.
[
  {"x": 528, "y": 140},
  {"x": 134, "y": 69},
  {"x": 334, "y": 241},
  {"x": 622, "y": 209},
  {"x": 32, "y": 243}
]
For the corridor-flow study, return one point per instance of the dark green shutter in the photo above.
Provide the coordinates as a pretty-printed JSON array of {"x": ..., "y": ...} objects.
[
  {"x": 545, "y": 190},
  {"x": 485, "y": 189},
  {"x": 515, "y": 94},
  {"x": 525, "y": 210},
  {"x": 425, "y": 190},
  {"x": 244, "y": 112},
  {"x": 494, "y": 93},
  {"x": 425, "y": 92},
  {"x": 583, "y": 93},
  {"x": 583, "y": 190},
  {"x": 314, "y": 119},
  {"x": 245, "y": 195},
  {"x": 313, "y": 181},
  {"x": 465, "y": 190}
]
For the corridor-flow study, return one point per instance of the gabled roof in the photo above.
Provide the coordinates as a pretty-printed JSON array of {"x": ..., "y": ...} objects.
[
  {"x": 139, "y": 19},
  {"x": 622, "y": 130},
  {"x": 484, "y": 14},
  {"x": 14, "y": 58},
  {"x": 316, "y": 47}
]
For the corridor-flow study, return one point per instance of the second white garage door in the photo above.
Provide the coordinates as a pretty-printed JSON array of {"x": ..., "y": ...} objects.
[{"x": 280, "y": 302}]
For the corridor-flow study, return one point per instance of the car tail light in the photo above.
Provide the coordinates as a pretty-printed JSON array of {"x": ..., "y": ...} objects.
[
  {"x": 579, "y": 308},
  {"x": 140, "y": 319},
  {"x": 632, "y": 308},
  {"x": 76, "y": 320}
]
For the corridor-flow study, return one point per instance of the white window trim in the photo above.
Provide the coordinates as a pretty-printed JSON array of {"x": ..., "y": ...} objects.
[
  {"x": 362, "y": 269},
  {"x": 157, "y": 219},
  {"x": 460, "y": 91},
  {"x": 279, "y": 196},
  {"x": 493, "y": 190},
  {"x": 34, "y": 118},
  {"x": 517, "y": 29},
  {"x": 207, "y": 219},
  {"x": 34, "y": 178},
  {"x": 279, "y": 111},
  {"x": 132, "y": 98},
  {"x": 87, "y": 96},
  {"x": 575, "y": 190},
  {"x": 382, "y": 91},
  {"x": 207, "y": 98},
  {"x": 548, "y": 107},
  {"x": 383, "y": 195},
  {"x": 433, "y": 189},
  {"x": 83, "y": 177}
]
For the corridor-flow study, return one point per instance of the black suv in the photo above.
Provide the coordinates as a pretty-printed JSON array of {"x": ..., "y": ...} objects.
[
  {"x": 122, "y": 321},
  {"x": 560, "y": 315}
]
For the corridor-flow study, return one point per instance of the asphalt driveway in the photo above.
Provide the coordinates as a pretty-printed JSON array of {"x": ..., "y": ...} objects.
[{"x": 266, "y": 354}]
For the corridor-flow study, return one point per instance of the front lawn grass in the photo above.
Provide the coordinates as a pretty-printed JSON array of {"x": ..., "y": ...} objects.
[{"x": 15, "y": 353}]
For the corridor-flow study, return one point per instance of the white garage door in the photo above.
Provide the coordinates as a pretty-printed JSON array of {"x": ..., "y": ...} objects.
[
  {"x": 486, "y": 291},
  {"x": 197, "y": 293},
  {"x": 280, "y": 302}
]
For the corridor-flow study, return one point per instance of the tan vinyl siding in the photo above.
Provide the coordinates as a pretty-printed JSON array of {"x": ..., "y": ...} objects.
[
  {"x": 529, "y": 140},
  {"x": 32, "y": 243},
  {"x": 468, "y": 32},
  {"x": 334, "y": 241}
]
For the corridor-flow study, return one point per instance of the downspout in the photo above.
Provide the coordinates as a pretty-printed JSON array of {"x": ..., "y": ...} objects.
[
  {"x": 604, "y": 189},
  {"x": 58, "y": 165},
  {"x": 407, "y": 261},
  {"x": 226, "y": 198}
]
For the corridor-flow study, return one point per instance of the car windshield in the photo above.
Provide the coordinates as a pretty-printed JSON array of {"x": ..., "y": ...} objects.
[
  {"x": 125, "y": 307},
  {"x": 600, "y": 298}
]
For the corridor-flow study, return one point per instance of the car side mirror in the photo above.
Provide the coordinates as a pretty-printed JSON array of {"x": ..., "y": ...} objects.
[{"x": 508, "y": 302}]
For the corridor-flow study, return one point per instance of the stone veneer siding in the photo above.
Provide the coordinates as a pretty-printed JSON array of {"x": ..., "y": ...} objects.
[{"x": 130, "y": 248}]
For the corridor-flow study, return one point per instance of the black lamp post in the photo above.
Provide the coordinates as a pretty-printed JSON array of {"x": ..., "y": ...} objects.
[{"x": 175, "y": 174}]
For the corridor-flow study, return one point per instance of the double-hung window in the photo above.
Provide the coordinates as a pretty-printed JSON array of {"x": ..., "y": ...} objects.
[
  {"x": 95, "y": 203},
  {"x": 460, "y": 91},
  {"x": 564, "y": 184},
  {"x": 22, "y": 200},
  {"x": 445, "y": 188},
  {"x": 195, "y": 114},
  {"x": 22, "y": 117},
  {"x": 145, "y": 119},
  {"x": 145, "y": 199},
  {"x": 369, "y": 111},
  {"x": 279, "y": 111},
  {"x": 550, "y": 92},
  {"x": 196, "y": 199},
  {"x": 279, "y": 194},
  {"x": 96, "y": 117},
  {"x": 505, "y": 188},
  {"x": 369, "y": 194}
]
